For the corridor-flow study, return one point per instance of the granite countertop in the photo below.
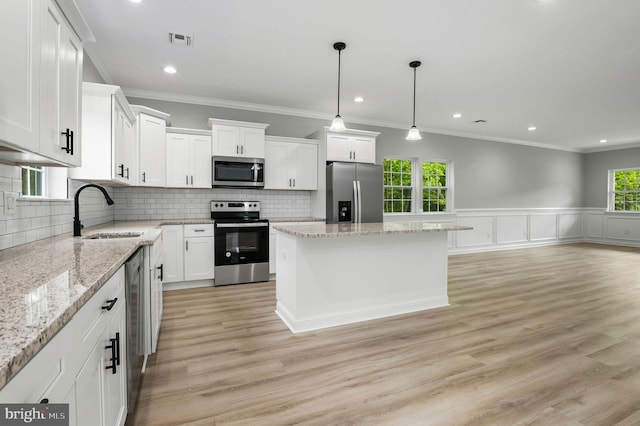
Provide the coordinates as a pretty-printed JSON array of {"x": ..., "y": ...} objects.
[
  {"x": 295, "y": 219},
  {"x": 363, "y": 229},
  {"x": 44, "y": 283}
]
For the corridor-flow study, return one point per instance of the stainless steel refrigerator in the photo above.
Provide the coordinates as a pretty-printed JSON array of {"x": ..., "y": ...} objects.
[{"x": 354, "y": 193}]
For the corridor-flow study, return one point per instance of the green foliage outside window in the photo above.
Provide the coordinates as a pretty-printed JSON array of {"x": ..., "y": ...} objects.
[
  {"x": 626, "y": 190},
  {"x": 434, "y": 187},
  {"x": 398, "y": 186}
]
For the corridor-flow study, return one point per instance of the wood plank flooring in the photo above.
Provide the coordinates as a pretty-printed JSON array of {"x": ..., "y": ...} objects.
[{"x": 547, "y": 336}]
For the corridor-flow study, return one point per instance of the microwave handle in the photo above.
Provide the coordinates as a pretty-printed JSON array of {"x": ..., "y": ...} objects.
[{"x": 255, "y": 172}]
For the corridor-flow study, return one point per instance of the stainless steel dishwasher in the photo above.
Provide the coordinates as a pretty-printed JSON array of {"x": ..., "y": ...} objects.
[{"x": 135, "y": 294}]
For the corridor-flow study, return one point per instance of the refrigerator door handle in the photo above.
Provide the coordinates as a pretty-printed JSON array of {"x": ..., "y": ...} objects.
[
  {"x": 359, "y": 203},
  {"x": 356, "y": 201}
]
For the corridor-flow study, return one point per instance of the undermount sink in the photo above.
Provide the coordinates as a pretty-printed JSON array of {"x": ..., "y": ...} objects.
[{"x": 109, "y": 235}]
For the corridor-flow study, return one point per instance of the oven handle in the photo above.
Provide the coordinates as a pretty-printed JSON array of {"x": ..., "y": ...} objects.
[{"x": 242, "y": 225}]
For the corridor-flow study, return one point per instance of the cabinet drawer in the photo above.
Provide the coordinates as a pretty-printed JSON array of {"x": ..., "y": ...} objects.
[
  {"x": 198, "y": 230},
  {"x": 93, "y": 318}
]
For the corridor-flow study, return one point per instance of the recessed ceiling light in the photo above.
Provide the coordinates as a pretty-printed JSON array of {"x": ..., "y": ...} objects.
[
  {"x": 135, "y": 1},
  {"x": 603, "y": 141},
  {"x": 169, "y": 69},
  {"x": 457, "y": 115},
  {"x": 531, "y": 128},
  {"x": 358, "y": 99}
]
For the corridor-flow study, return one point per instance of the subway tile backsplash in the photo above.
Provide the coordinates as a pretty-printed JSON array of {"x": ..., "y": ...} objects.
[
  {"x": 38, "y": 219},
  {"x": 176, "y": 203}
]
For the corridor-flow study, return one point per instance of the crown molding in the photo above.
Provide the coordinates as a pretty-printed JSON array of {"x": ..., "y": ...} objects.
[
  {"x": 224, "y": 103},
  {"x": 614, "y": 147}
]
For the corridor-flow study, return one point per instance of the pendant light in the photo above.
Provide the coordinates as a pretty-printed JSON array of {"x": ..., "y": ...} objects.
[
  {"x": 337, "y": 125},
  {"x": 414, "y": 133}
]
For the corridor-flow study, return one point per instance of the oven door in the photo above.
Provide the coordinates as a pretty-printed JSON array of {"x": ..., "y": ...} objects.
[
  {"x": 238, "y": 172},
  {"x": 241, "y": 243}
]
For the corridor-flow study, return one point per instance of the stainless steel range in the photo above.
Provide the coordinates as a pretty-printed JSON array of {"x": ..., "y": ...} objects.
[{"x": 241, "y": 242}]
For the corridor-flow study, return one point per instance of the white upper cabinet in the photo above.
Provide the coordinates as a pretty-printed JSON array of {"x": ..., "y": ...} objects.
[
  {"x": 60, "y": 88},
  {"x": 19, "y": 112},
  {"x": 291, "y": 163},
  {"x": 188, "y": 158},
  {"x": 351, "y": 148},
  {"x": 40, "y": 111},
  {"x": 110, "y": 153},
  {"x": 151, "y": 127},
  {"x": 237, "y": 138}
]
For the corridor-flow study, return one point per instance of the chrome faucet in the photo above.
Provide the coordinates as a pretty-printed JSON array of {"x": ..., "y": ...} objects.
[{"x": 77, "y": 226}]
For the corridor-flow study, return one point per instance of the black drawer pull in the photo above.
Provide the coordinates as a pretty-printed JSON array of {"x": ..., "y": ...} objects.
[
  {"x": 114, "y": 358},
  {"x": 110, "y": 304},
  {"x": 161, "y": 267}
]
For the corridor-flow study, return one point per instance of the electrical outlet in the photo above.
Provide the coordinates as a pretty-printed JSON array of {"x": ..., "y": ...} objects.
[{"x": 10, "y": 202}]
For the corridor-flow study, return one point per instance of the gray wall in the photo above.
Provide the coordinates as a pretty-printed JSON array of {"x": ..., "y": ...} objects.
[
  {"x": 596, "y": 177},
  {"x": 487, "y": 174},
  {"x": 89, "y": 71}
]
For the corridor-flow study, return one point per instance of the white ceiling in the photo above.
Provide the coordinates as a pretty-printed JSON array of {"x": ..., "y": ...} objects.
[{"x": 569, "y": 67}]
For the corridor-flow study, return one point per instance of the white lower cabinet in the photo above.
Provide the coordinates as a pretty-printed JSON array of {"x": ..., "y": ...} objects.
[
  {"x": 188, "y": 252},
  {"x": 154, "y": 277},
  {"x": 79, "y": 367}
]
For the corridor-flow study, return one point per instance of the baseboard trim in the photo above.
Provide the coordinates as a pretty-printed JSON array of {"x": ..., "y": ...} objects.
[{"x": 182, "y": 285}]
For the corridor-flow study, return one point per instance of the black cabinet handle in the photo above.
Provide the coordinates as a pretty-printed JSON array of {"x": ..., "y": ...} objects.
[
  {"x": 118, "y": 348},
  {"x": 69, "y": 136},
  {"x": 144, "y": 177},
  {"x": 113, "y": 359},
  {"x": 71, "y": 143},
  {"x": 121, "y": 167},
  {"x": 110, "y": 303},
  {"x": 161, "y": 267}
]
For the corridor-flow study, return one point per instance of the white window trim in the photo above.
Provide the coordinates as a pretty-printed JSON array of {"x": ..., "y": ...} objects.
[
  {"x": 417, "y": 187},
  {"x": 611, "y": 203},
  {"x": 54, "y": 185}
]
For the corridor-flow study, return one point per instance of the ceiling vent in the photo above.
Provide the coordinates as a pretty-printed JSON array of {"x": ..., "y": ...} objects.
[
  {"x": 480, "y": 121},
  {"x": 180, "y": 39}
]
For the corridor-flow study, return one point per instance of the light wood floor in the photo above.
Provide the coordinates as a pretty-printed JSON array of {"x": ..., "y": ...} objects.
[{"x": 547, "y": 336}]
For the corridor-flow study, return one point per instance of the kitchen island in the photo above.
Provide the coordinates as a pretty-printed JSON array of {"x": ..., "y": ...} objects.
[{"x": 329, "y": 275}]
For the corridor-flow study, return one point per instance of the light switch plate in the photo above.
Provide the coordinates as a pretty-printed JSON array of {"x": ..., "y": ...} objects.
[{"x": 10, "y": 202}]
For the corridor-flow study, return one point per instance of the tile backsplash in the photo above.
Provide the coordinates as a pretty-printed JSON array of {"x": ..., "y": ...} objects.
[
  {"x": 37, "y": 219},
  {"x": 177, "y": 203}
]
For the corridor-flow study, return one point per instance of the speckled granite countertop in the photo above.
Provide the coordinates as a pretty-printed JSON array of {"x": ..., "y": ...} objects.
[
  {"x": 44, "y": 283},
  {"x": 320, "y": 230},
  {"x": 295, "y": 219}
]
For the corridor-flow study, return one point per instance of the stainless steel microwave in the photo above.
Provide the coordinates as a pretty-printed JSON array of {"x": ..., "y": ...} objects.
[{"x": 238, "y": 172}]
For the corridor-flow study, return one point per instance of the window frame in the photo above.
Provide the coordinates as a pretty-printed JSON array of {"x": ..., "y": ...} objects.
[
  {"x": 417, "y": 186},
  {"x": 55, "y": 184},
  {"x": 412, "y": 187},
  {"x": 611, "y": 192},
  {"x": 43, "y": 181}
]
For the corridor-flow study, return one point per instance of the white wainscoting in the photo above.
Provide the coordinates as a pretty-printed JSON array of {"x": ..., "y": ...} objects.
[
  {"x": 612, "y": 228},
  {"x": 503, "y": 229}
]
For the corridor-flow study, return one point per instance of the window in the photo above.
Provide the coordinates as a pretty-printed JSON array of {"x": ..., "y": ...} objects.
[
  {"x": 32, "y": 181},
  {"x": 624, "y": 190},
  {"x": 398, "y": 185},
  {"x": 44, "y": 182},
  {"x": 434, "y": 187},
  {"x": 409, "y": 188}
]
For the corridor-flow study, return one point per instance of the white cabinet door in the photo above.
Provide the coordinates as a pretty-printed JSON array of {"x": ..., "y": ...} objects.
[
  {"x": 304, "y": 166},
  {"x": 71, "y": 95},
  {"x": 157, "y": 303},
  {"x": 177, "y": 160},
  {"x": 131, "y": 153},
  {"x": 198, "y": 258},
  {"x": 276, "y": 173},
  {"x": 364, "y": 149},
  {"x": 339, "y": 148},
  {"x": 20, "y": 99},
  {"x": 172, "y": 260},
  {"x": 251, "y": 142},
  {"x": 60, "y": 80},
  {"x": 152, "y": 142},
  {"x": 200, "y": 162},
  {"x": 89, "y": 387},
  {"x": 115, "y": 379},
  {"x": 120, "y": 147},
  {"x": 226, "y": 140}
]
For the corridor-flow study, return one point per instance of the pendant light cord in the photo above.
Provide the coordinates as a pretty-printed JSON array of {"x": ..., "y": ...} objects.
[
  {"x": 339, "y": 54},
  {"x": 414, "y": 97}
]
